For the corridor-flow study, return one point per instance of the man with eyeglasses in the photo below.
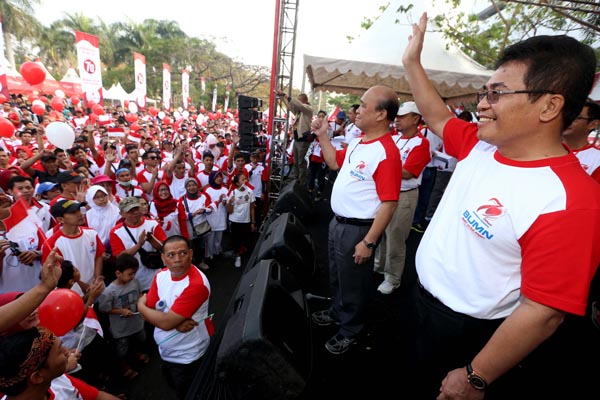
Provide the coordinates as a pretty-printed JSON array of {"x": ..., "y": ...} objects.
[
  {"x": 177, "y": 305},
  {"x": 512, "y": 247},
  {"x": 576, "y": 137},
  {"x": 151, "y": 173}
]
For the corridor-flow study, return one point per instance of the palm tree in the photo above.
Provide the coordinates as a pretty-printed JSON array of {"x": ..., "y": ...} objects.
[{"x": 18, "y": 20}]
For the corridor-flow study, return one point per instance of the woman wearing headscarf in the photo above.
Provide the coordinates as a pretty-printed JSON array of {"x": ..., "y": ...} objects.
[
  {"x": 218, "y": 218},
  {"x": 102, "y": 216},
  {"x": 164, "y": 208},
  {"x": 193, "y": 207}
]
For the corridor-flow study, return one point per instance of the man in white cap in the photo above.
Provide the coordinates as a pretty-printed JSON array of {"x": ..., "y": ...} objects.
[{"x": 414, "y": 152}]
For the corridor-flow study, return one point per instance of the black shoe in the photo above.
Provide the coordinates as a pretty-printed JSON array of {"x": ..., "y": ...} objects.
[
  {"x": 323, "y": 318},
  {"x": 339, "y": 344}
]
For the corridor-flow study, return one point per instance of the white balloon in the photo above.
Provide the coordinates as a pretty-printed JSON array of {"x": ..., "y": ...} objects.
[
  {"x": 161, "y": 114},
  {"x": 60, "y": 135},
  {"x": 185, "y": 114},
  {"x": 59, "y": 93},
  {"x": 176, "y": 115},
  {"x": 180, "y": 109},
  {"x": 133, "y": 107},
  {"x": 38, "y": 102},
  {"x": 200, "y": 118}
]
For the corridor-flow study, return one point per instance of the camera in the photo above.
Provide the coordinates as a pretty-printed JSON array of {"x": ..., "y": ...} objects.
[{"x": 14, "y": 247}]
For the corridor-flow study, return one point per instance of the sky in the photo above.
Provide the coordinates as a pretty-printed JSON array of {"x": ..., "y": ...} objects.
[{"x": 241, "y": 29}]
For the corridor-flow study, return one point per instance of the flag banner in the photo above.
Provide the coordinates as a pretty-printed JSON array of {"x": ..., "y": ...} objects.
[
  {"x": 88, "y": 61},
  {"x": 185, "y": 88},
  {"x": 3, "y": 65},
  {"x": 226, "y": 105},
  {"x": 166, "y": 86},
  {"x": 203, "y": 84},
  {"x": 214, "y": 99},
  {"x": 91, "y": 321},
  {"x": 139, "y": 68},
  {"x": 115, "y": 132}
]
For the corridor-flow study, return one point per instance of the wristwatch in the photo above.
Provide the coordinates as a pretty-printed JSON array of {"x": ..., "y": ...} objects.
[
  {"x": 475, "y": 380},
  {"x": 370, "y": 245}
]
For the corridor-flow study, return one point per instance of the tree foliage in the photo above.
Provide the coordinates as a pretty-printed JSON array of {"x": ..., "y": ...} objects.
[{"x": 160, "y": 41}]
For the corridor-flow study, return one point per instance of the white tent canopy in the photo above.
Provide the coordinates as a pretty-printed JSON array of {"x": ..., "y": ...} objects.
[
  {"x": 116, "y": 92},
  {"x": 375, "y": 58}
]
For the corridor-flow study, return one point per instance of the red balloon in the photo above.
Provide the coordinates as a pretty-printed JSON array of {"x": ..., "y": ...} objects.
[
  {"x": 38, "y": 109},
  {"x": 75, "y": 100},
  {"x": 166, "y": 121},
  {"x": 134, "y": 127},
  {"x": 54, "y": 115},
  {"x": 130, "y": 118},
  {"x": 7, "y": 129},
  {"x": 61, "y": 311},
  {"x": 44, "y": 99},
  {"x": 33, "y": 73},
  {"x": 202, "y": 109},
  {"x": 126, "y": 103},
  {"x": 2, "y": 98},
  {"x": 153, "y": 111},
  {"x": 98, "y": 109},
  {"x": 57, "y": 104},
  {"x": 33, "y": 97}
]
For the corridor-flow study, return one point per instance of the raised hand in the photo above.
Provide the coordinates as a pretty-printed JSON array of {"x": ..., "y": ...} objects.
[{"x": 412, "y": 52}]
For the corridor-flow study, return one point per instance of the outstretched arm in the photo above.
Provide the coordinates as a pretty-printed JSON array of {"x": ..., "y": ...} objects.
[{"x": 428, "y": 100}]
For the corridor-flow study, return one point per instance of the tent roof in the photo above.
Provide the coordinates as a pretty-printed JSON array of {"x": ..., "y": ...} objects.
[
  {"x": 375, "y": 58},
  {"x": 71, "y": 76}
]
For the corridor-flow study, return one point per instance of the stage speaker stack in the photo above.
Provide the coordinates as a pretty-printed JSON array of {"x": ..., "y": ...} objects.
[
  {"x": 287, "y": 241},
  {"x": 295, "y": 198},
  {"x": 265, "y": 351}
]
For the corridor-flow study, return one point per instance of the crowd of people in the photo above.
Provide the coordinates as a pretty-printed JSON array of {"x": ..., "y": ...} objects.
[
  {"x": 106, "y": 212},
  {"x": 129, "y": 218}
]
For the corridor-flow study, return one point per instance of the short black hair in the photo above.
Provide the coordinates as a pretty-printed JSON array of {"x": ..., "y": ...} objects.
[
  {"x": 126, "y": 261},
  {"x": 18, "y": 179},
  {"x": 68, "y": 272},
  {"x": 177, "y": 238},
  {"x": 593, "y": 110}
]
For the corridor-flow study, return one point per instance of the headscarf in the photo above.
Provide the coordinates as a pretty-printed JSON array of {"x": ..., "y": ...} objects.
[
  {"x": 192, "y": 196},
  {"x": 166, "y": 206},
  {"x": 212, "y": 180},
  {"x": 101, "y": 219},
  {"x": 38, "y": 354}
]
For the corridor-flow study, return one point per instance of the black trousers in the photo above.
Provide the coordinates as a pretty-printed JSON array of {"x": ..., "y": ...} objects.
[{"x": 180, "y": 376}]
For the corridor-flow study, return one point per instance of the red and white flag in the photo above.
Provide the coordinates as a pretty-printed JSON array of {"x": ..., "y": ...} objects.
[
  {"x": 91, "y": 321},
  {"x": 115, "y": 132}
]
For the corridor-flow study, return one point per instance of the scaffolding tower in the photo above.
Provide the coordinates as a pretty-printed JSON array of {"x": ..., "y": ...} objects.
[{"x": 281, "y": 79}]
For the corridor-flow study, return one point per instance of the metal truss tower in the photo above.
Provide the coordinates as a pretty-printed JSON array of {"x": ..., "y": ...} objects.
[{"x": 282, "y": 69}]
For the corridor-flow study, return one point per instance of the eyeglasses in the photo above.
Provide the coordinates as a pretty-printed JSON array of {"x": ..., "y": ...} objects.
[
  {"x": 493, "y": 96},
  {"x": 180, "y": 253},
  {"x": 153, "y": 158}
]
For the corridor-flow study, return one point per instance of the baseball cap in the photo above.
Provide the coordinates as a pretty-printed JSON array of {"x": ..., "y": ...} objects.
[
  {"x": 45, "y": 186},
  {"x": 48, "y": 157},
  {"x": 69, "y": 176},
  {"x": 101, "y": 178},
  {"x": 408, "y": 107},
  {"x": 341, "y": 115},
  {"x": 62, "y": 207},
  {"x": 128, "y": 203}
]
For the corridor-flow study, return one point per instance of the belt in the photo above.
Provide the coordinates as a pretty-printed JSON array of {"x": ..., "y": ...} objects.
[
  {"x": 428, "y": 295},
  {"x": 354, "y": 221},
  {"x": 408, "y": 190}
]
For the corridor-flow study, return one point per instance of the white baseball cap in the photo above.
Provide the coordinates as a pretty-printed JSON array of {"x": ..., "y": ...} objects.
[{"x": 408, "y": 107}]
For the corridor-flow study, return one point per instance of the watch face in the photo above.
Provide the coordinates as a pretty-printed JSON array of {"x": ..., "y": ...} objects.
[{"x": 477, "y": 382}]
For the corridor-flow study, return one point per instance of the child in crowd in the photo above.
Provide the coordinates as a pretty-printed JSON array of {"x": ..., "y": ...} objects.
[
  {"x": 119, "y": 300},
  {"x": 240, "y": 207},
  {"x": 218, "y": 218}
]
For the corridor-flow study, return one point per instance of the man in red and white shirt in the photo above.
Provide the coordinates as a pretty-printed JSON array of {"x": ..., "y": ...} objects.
[
  {"x": 576, "y": 137},
  {"x": 76, "y": 243},
  {"x": 513, "y": 245},
  {"x": 414, "y": 152},
  {"x": 364, "y": 198},
  {"x": 177, "y": 305}
]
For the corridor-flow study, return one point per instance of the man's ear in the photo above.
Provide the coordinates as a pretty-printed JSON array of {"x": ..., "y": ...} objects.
[
  {"x": 36, "y": 378},
  {"x": 552, "y": 107}
]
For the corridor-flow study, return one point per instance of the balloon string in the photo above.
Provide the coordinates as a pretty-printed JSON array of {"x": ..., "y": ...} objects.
[{"x": 172, "y": 335}]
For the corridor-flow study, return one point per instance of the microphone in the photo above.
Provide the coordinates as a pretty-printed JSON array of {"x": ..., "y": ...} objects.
[{"x": 310, "y": 296}]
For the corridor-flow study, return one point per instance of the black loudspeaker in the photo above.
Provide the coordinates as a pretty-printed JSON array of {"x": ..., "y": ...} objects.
[
  {"x": 287, "y": 241},
  {"x": 295, "y": 198},
  {"x": 265, "y": 352}
]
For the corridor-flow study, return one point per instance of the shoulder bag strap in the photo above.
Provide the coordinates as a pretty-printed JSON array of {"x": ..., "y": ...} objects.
[{"x": 187, "y": 210}]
